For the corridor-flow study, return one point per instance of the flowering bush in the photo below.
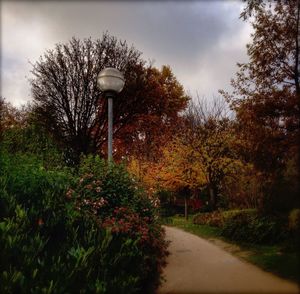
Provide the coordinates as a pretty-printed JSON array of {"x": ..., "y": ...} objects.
[
  {"x": 127, "y": 222},
  {"x": 64, "y": 235},
  {"x": 142, "y": 229},
  {"x": 148, "y": 236},
  {"x": 113, "y": 198},
  {"x": 87, "y": 195},
  {"x": 112, "y": 184}
]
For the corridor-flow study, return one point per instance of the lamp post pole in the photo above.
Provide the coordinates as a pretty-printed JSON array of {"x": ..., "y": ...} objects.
[
  {"x": 110, "y": 125},
  {"x": 110, "y": 81}
]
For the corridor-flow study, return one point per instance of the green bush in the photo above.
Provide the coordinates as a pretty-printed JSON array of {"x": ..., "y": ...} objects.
[
  {"x": 32, "y": 140},
  {"x": 294, "y": 229},
  {"x": 33, "y": 187},
  {"x": 51, "y": 243},
  {"x": 248, "y": 226},
  {"x": 294, "y": 220}
]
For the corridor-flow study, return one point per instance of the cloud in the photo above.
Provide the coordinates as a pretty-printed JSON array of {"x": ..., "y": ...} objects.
[
  {"x": 201, "y": 41},
  {"x": 216, "y": 67}
]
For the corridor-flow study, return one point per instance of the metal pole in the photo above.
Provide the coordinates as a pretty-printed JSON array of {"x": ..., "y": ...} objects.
[{"x": 110, "y": 127}]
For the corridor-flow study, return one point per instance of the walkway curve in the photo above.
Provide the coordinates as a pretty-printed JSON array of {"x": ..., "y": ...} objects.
[{"x": 197, "y": 266}]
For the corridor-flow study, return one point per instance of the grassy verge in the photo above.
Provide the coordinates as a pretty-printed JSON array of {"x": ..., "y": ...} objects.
[
  {"x": 270, "y": 258},
  {"x": 273, "y": 259},
  {"x": 188, "y": 226}
]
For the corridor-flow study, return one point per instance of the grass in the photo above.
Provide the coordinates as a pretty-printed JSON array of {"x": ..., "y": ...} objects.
[
  {"x": 272, "y": 258},
  {"x": 188, "y": 226}
]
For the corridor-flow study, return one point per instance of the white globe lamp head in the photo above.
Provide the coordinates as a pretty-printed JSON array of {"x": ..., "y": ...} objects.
[{"x": 110, "y": 80}]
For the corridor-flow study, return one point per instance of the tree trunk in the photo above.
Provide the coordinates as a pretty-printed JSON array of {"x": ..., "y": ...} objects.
[
  {"x": 185, "y": 208},
  {"x": 212, "y": 197},
  {"x": 297, "y": 53}
]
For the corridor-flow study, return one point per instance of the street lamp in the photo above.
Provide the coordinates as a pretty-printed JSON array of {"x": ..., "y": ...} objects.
[{"x": 110, "y": 81}]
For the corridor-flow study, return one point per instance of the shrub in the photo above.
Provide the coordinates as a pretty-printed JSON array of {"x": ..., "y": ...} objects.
[
  {"x": 52, "y": 240},
  {"x": 294, "y": 229},
  {"x": 103, "y": 187},
  {"x": 248, "y": 226},
  {"x": 113, "y": 197},
  {"x": 32, "y": 140},
  {"x": 294, "y": 220},
  {"x": 214, "y": 219},
  {"x": 32, "y": 186},
  {"x": 233, "y": 212},
  {"x": 149, "y": 240}
]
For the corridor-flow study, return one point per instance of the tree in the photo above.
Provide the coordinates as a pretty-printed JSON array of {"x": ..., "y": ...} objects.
[
  {"x": 202, "y": 154},
  {"x": 2, "y": 107},
  {"x": 266, "y": 96},
  {"x": 210, "y": 135},
  {"x": 72, "y": 107},
  {"x": 150, "y": 131},
  {"x": 181, "y": 167},
  {"x": 11, "y": 116}
]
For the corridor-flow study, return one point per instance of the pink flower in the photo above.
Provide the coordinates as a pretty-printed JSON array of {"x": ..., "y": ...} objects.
[
  {"x": 69, "y": 193},
  {"x": 40, "y": 222},
  {"x": 89, "y": 187}
]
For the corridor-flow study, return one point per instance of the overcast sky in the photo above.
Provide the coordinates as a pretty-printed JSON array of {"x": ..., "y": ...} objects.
[{"x": 201, "y": 40}]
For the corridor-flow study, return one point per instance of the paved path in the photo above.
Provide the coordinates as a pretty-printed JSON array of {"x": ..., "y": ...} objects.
[{"x": 197, "y": 266}]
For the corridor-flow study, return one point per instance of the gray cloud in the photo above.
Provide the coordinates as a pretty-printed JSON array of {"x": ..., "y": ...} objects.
[{"x": 201, "y": 40}]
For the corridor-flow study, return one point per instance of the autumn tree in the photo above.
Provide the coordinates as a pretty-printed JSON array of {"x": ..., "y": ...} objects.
[
  {"x": 72, "y": 107},
  {"x": 210, "y": 135},
  {"x": 202, "y": 154},
  {"x": 149, "y": 131},
  {"x": 266, "y": 89},
  {"x": 11, "y": 116},
  {"x": 266, "y": 96},
  {"x": 13, "y": 121},
  {"x": 180, "y": 170},
  {"x": 10, "y": 119}
]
